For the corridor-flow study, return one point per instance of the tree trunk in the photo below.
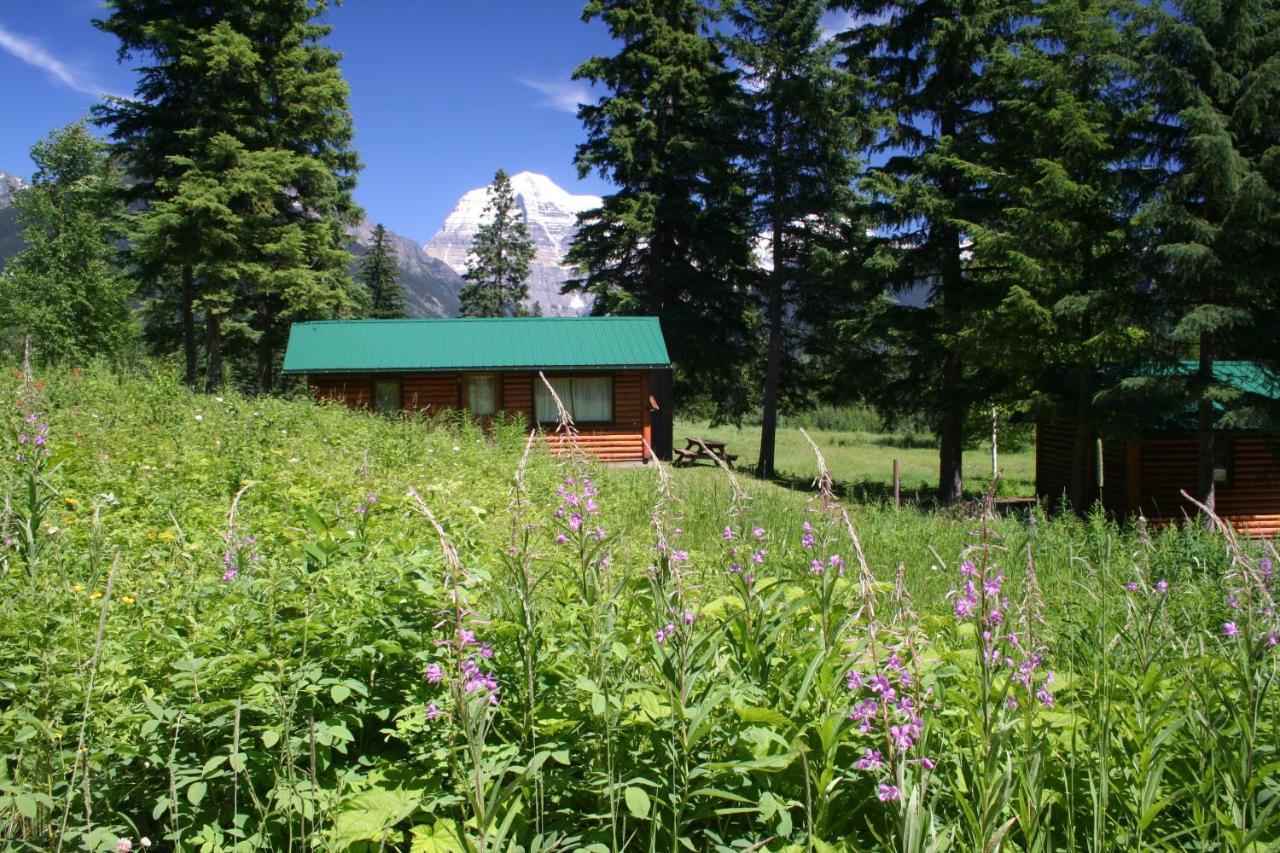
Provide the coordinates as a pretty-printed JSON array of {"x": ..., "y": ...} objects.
[
  {"x": 189, "y": 323},
  {"x": 773, "y": 368},
  {"x": 213, "y": 370},
  {"x": 1082, "y": 441},
  {"x": 950, "y": 391},
  {"x": 1204, "y": 426},
  {"x": 267, "y": 357}
]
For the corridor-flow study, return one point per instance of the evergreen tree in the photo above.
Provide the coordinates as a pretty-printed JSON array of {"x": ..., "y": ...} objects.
[
  {"x": 799, "y": 143},
  {"x": 379, "y": 274},
  {"x": 64, "y": 288},
  {"x": 922, "y": 63},
  {"x": 1215, "y": 219},
  {"x": 498, "y": 267},
  {"x": 1067, "y": 136},
  {"x": 256, "y": 72},
  {"x": 673, "y": 240}
]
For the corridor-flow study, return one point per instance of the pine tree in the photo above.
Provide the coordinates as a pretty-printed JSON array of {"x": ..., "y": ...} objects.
[
  {"x": 1066, "y": 127},
  {"x": 674, "y": 238},
  {"x": 498, "y": 266},
  {"x": 799, "y": 143},
  {"x": 379, "y": 274},
  {"x": 922, "y": 63},
  {"x": 1215, "y": 219},
  {"x": 258, "y": 73},
  {"x": 64, "y": 289}
]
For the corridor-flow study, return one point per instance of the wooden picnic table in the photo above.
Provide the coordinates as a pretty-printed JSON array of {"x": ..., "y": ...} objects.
[{"x": 703, "y": 449}]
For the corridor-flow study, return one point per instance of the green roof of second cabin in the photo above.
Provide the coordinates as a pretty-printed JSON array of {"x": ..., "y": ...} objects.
[{"x": 479, "y": 343}]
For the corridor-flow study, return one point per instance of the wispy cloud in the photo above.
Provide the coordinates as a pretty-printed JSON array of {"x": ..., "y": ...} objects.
[
  {"x": 564, "y": 96},
  {"x": 33, "y": 53},
  {"x": 834, "y": 23}
]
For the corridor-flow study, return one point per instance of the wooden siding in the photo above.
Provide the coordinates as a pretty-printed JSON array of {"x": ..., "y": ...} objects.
[
  {"x": 1148, "y": 476},
  {"x": 430, "y": 392},
  {"x": 1250, "y": 500},
  {"x": 356, "y": 390},
  {"x": 618, "y": 441}
]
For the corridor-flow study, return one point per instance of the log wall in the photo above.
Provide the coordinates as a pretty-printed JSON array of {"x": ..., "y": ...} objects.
[{"x": 619, "y": 441}]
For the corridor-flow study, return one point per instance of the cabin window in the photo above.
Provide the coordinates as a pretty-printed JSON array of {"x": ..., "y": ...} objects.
[
  {"x": 1222, "y": 467},
  {"x": 387, "y": 396},
  {"x": 587, "y": 399},
  {"x": 482, "y": 395}
]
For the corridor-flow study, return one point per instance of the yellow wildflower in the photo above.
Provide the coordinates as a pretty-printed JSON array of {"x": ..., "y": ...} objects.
[
  {"x": 167, "y": 536},
  {"x": 127, "y": 599},
  {"x": 151, "y": 534},
  {"x": 78, "y": 587},
  {"x": 95, "y": 595},
  {"x": 72, "y": 502}
]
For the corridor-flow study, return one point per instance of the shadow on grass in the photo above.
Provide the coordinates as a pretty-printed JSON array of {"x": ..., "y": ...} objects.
[{"x": 920, "y": 498}]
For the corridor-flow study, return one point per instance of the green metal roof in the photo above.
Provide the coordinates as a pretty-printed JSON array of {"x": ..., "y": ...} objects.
[{"x": 507, "y": 343}]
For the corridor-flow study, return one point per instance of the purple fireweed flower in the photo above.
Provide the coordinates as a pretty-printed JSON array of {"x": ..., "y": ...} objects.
[
  {"x": 575, "y": 521},
  {"x": 434, "y": 673},
  {"x": 1229, "y": 629},
  {"x": 679, "y": 556},
  {"x": 757, "y": 532},
  {"x": 124, "y": 845},
  {"x": 1264, "y": 566},
  {"x": 688, "y": 617},
  {"x": 991, "y": 586},
  {"x": 1045, "y": 697},
  {"x": 735, "y": 567},
  {"x": 901, "y": 736},
  {"x": 853, "y": 680},
  {"x": 485, "y": 651},
  {"x": 1233, "y": 602},
  {"x": 818, "y": 566},
  {"x": 927, "y": 763},
  {"x": 728, "y": 533},
  {"x": 758, "y": 557},
  {"x": 836, "y": 562},
  {"x": 230, "y": 574},
  {"x": 677, "y": 532},
  {"x": 23, "y": 438},
  {"x": 870, "y": 760},
  {"x": 806, "y": 541},
  {"x": 888, "y": 793},
  {"x": 561, "y": 539},
  {"x": 878, "y": 683},
  {"x": 591, "y": 506},
  {"x": 1162, "y": 586},
  {"x": 1011, "y": 702},
  {"x": 967, "y": 569},
  {"x": 432, "y": 711},
  {"x": 466, "y": 638},
  {"x": 1132, "y": 586}
]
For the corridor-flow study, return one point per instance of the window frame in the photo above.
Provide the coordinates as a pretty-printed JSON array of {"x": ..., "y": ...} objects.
[
  {"x": 613, "y": 402},
  {"x": 398, "y": 382},
  {"x": 497, "y": 393},
  {"x": 1224, "y": 460}
]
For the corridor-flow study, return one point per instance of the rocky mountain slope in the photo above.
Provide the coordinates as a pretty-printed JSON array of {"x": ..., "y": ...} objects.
[
  {"x": 10, "y": 230},
  {"x": 430, "y": 285},
  {"x": 551, "y": 213}
]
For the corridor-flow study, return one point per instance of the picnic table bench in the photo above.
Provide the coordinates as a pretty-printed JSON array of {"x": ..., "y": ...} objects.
[{"x": 702, "y": 449}]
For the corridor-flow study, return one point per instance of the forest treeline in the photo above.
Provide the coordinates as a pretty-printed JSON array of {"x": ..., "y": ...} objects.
[{"x": 938, "y": 207}]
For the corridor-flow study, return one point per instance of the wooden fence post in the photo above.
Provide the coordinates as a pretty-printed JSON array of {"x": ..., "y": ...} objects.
[{"x": 897, "y": 484}]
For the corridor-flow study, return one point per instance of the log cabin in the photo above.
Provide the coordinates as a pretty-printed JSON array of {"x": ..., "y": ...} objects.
[
  {"x": 612, "y": 374},
  {"x": 1140, "y": 461}
]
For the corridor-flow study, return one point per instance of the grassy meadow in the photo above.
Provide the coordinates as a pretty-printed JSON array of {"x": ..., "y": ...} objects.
[
  {"x": 233, "y": 624},
  {"x": 861, "y": 460}
]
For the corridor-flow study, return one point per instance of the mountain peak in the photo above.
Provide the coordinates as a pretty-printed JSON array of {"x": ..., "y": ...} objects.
[
  {"x": 551, "y": 213},
  {"x": 9, "y": 184}
]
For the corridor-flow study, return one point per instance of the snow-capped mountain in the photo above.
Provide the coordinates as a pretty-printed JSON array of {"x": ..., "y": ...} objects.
[
  {"x": 551, "y": 213},
  {"x": 9, "y": 184},
  {"x": 430, "y": 285}
]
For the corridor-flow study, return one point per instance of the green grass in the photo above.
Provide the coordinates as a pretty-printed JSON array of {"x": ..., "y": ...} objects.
[
  {"x": 660, "y": 686},
  {"x": 862, "y": 462}
]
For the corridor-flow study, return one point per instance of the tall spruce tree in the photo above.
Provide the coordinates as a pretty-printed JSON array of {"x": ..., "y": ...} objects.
[
  {"x": 800, "y": 136},
  {"x": 498, "y": 266},
  {"x": 1066, "y": 125},
  {"x": 674, "y": 239},
  {"x": 64, "y": 289},
  {"x": 379, "y": 274},
  {"x": 922, "y": 63},
  {"x": 1215, "y": 219},
  {"x": 259, "y": 73}
]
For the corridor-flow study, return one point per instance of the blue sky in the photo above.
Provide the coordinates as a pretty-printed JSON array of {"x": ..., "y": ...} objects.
[{"x": 443, "y": 92}]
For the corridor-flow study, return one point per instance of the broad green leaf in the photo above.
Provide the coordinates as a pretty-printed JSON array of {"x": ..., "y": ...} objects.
[
  {"x": 195, "y": 792},
  {"x": 339, "y": 693},
  {"x": 637, "y": 802}
]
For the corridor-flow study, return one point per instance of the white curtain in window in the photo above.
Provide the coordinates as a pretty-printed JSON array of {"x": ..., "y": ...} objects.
[
  {"x": 592, "y": 399},
  {"x": 482, "y": 395},
  {"x": 588, "y": 399},
  {"x": 544, "y": 406}
]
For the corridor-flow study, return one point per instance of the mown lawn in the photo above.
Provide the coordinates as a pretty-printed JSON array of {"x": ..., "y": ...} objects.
[{"x": 862, "y": 462}]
